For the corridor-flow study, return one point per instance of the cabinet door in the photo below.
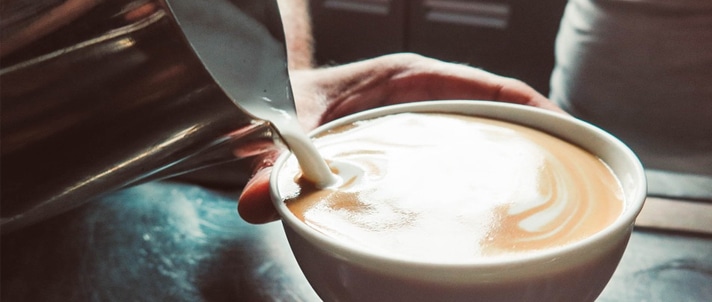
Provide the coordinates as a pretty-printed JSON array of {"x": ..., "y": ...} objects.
[
  {"x": 349, "y": 30},
  {"x": 509, "y": 37},
  {"x": 474, "y": 32}
]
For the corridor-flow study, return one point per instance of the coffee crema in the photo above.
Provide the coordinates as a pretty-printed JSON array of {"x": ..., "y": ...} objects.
[{"x": 445, "y": 187}]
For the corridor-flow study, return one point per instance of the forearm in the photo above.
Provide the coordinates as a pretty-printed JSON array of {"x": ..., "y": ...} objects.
[{"x": 298, "y": 33}]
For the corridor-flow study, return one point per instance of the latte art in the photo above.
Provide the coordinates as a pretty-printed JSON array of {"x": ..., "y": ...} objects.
[{"x": 447, "y": 187}]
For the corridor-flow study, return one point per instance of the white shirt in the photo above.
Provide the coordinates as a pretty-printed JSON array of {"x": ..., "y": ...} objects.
[{"x": 642, "y": 70}]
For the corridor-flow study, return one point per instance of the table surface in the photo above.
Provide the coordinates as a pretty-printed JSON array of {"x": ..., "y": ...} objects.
[{"x": 166, "y": 241}]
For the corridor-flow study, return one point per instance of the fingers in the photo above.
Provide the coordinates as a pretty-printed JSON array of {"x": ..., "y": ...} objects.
[
  {"x": 516, "y": 91},
  {"x": 406, "y": 77},
  {"x": 255, "y": 205},
  {"x": 426, "y": 78}
]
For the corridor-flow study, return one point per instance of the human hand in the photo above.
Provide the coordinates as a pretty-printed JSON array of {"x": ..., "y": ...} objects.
[{"x": 326, "y": 94}]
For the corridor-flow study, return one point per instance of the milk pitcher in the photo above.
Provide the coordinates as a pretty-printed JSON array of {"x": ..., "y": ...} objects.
[{"x": 98, "y": 95}]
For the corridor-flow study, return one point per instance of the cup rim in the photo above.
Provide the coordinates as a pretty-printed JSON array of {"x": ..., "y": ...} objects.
[{"x": 487, "y": 109}]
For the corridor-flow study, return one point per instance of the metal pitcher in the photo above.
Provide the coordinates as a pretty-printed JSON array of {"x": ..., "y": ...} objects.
[{"x": 98, "y": 95}]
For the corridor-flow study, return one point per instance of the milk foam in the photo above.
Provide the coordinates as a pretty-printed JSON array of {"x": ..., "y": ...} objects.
[{"x": 448, "y": 187}]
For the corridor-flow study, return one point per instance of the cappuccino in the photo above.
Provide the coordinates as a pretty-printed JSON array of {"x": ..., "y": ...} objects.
[{"x": 452, "y": 188}]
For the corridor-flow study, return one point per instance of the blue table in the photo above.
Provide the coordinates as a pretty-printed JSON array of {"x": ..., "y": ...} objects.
[{"x": 167, "y": 241}]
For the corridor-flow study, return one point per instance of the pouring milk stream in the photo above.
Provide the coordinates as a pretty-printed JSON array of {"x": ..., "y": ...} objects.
[{"x": 263, "y": 64}]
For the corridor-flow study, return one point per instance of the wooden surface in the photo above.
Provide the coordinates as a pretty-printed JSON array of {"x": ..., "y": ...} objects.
[{"x": 676, "y": 215}]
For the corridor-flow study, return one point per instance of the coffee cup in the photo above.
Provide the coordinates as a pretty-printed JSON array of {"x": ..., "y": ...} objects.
[{"x": 342, "y": 269}]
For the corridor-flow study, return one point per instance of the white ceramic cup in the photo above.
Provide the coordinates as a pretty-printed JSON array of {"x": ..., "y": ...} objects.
[{"x": 579, "y": 271}]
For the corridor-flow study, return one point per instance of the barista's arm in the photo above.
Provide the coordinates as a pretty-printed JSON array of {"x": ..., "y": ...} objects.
[{"x": 298, "y": 33}]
